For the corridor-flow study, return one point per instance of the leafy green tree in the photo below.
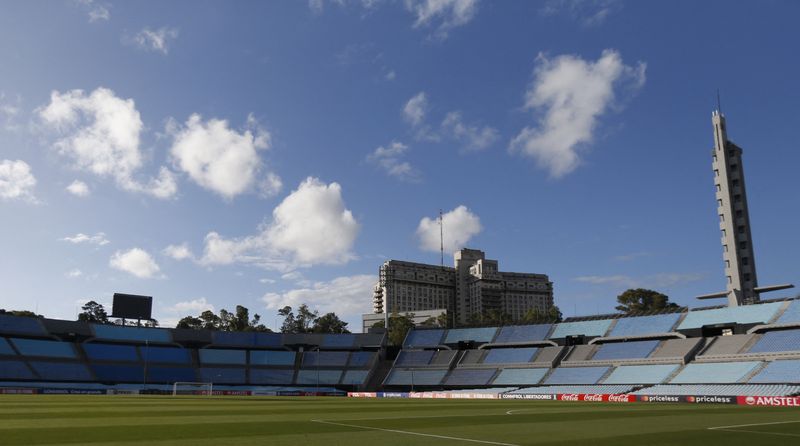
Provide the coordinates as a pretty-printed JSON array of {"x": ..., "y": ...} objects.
[
  {"x": 302, "y": 322},
  {"x": 439, "y": 321},
  {"x": 535, "y": 316},
  {"x": 642, "y": 300},
  {"x": 21, "y": 313},
  {"x": 238, "y": 320},
  {"x": 93, "y": 312},
  {"x": 190, "y": 322},
  {"x": 496, "y": 318},
  {"x": 330, "y": 323},
  {"x": 398, "y": 327}
]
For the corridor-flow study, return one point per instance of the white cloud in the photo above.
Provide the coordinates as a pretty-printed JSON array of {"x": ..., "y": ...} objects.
[
  {"x": 348, "y": 295},
  {"x": 266, "y": 280},
  {"x": 318, "y": 6},
  {"x": 271, "y": 185},
  {"x": 310, "y": 226},
  {"x": 16, "y": 181},
  {"x": 95, "y": 10},
  {"x": 9, "y": 111},
  {"x": 100, "y": 133},
  {"x": 79, "y": 189},
  {"x": 587, "y": 12},
  {"x": 631, "y": 256},
  {"x": 97, "y": 239},
  {"x": 472, "y": 136},
  {"x": 415, "y": 109},
  {"x": 660, "y": 280},
  {"x": 390, "y": 159},
  {"x": 458, "y": 227},
  {"x": 572, "y": 94},
  {"x": 191, "y": 307},
  {"x": 135, "y": 261},
  {"x": 155, "y": 40},
  {"x": 448, "y": 14},
  {"x": 73, "y": 274},
  {"x": 219, "y": 158},
  {"x": 178, "y": 252},
  {"x": 604, "y": 280},
  {"x": 390, "y": 76}
]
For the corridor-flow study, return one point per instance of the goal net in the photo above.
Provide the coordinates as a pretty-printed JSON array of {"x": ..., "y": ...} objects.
[{"x": 190, "y": 388}]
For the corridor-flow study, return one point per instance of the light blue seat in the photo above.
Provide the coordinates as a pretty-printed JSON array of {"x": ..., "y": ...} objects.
[
  {"x": 644, "y": 325},
  {"x": 482, "y": 334},
  {"x": 522, "y": 333},
  {"x": 715, "y": 372},
  {"x": 50, "y": 349},
  {"x": 361, "y": 359},
  {"x": 415, "y": 377},
  {"x": 745, "y": 314},
  {"x": 625, "y": 350},
  {"x": 519, "y": 377},
  {"x": 641, "y": 374},
  {"x": 61, "y": 371},
  {"x": 135, "y": 334},
  {"x": 510, "y": 355},
  {"x": 777, "y": 341},
  {"x": 576, "y": 375},
  {"x": 325, "y": 359},
  {"x": 586, "y": 328},
  {"x": 271, "y": 376},
  {"x": 423, "y": 338},
  {"x": 470, "y": 377},
  {"x": 779, "y": 372},
  {"x": 217, "y": 356},
  {"x": 410, "y": 358},
  {"x": 272, "y": 358},
  {"x": 791, "y": 315},
  {"x": 166, "y": 355},
  {"x": 110, "y": 352},
  {"x": 355, "y": 377},
  {"x": 314, "y": 377}
]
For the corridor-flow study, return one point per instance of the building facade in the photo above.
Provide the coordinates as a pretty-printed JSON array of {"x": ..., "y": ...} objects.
[
  {"x": 734, "y": 219},
  {"x": 472, "y": 287}
]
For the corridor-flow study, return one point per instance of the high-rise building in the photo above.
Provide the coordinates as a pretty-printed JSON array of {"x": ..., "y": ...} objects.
[
  {"x": 472, "y": 287},
  {"x": 734, "y": 220}
]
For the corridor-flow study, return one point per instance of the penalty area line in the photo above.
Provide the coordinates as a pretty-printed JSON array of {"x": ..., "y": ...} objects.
[
  {"x": 735, "y": 428},
  {"x": 443, "y": 437}
]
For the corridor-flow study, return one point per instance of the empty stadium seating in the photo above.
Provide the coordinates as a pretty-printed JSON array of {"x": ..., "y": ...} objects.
[
  {"x": 325, "y": 359},
  {"x": 727, "y": 345},
  {"x": 586, "y": 328},
  {"x": 271, "y": 376},
  {"x": 218, "y": 356},
  {"x": 361, "y": 359},
  {"x": 519, "y": 377},
  {"x": 724, "y": 389},
  {"x": 483, "y": 334},
  {"x": 641, "y": 374},
  {"x": 777, "y": 341},
  {"x": 412, "y": 358},
  {"x": 111, "y": 352},
  {"x": 715, "y": 372},
  {"x": 746, "y": 314},
  {"x": 15, "y": 370},
  {"x": 400, "y": 377},
  {"x": 576, "y": 375},
  {"x": 625, "y": 350},
  {"x": 522, "y": 333},
  {"x": 272, "y": 358},
  {"x": 318, "y": 377},
  {"x": 21, "y": 325},
  {"x": 50, "y": 349},
  {"x": 547, "y": 390},
  {"x": 510, "y": 355},
  {"x": 5, "y": 348},
  {"x": 786, "y": 371},
  {"x": 423, "y": 338},
  {"x": 131, "y": 334},
  {"x": 167, "y": 355},
  {"x": 470, "y": 377},
  {"x": 791, "y": 315},
  {"x": 644, "y": 325}
]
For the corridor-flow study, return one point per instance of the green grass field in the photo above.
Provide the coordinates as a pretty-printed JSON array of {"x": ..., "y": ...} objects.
[{"x": 155, "y": 420}]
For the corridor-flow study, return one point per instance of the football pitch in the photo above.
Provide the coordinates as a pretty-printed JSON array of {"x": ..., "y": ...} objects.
[{"x": 264, "y": 421}]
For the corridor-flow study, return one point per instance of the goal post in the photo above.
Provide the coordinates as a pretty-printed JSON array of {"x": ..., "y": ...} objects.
[{"x": 192, "y": 388}]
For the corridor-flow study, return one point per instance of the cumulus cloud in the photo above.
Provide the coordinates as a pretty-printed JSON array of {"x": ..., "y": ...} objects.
[
  {"x": 79, "y": 189},
  {"x": 415, "y": 109},
  {"x": 660, "y": 280},
  {"x": 348, "y": 295},
  {"x": 97, "y": 239},
  {"x": 572, "y": 94},
  {"x": 473, "y": 137},
  {"x": 16, "y": 181},
  {"x": 219, "y": 158},
  {"x": 587, "y": 12},
  {"x": 271, "y": 185},
  {"x": 178, "y": 252},
  {"x": 390, "y": 158},
  {"x": 73, "y": 273},
  {"x": 157, "y": 40},
  {"x": 9, "y": 112},
  {"x": 310, "y": 226},
  {"x": 135, "y": 261},
  {"x": 458, "y": 227},
  {"x": 443, "y": 15},
  {"x": 100, "y": 133},
  {"x": 96, "y": 11},
  {"x": 194, "y": 306}
]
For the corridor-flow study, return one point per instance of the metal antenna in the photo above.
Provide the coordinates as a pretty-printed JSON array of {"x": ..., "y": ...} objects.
[
  {"x": 719, "y": 104},
  {"x": 441, "y": 239}
]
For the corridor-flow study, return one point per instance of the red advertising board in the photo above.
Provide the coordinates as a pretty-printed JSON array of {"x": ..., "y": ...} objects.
[
  {"x": 596, "y": 397},
  {"x": 786, "y": 401}
]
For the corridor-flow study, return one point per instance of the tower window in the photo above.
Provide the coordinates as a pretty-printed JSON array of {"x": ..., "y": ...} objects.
[
  {"x": 716, "y": 172},
  {"x": 742, "y": 245},
  {"x": 737, "y": 198},
  {"x": 739, "y": 213},
  {"x": 747, "y": 277},
  {"x": 745, "y": 261},
  {"x": 734, "y": 166},
  {"x": 740, "y": 228}
]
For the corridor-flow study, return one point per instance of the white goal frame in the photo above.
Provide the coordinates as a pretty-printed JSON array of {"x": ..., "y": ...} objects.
[{"x": 209, "y": 386}]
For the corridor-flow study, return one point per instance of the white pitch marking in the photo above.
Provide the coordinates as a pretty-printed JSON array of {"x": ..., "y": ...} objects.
[
  {"x": 753, "y": 424},
  {"x": 734, "y": 428},
  {"x": 444, "y": 437}
]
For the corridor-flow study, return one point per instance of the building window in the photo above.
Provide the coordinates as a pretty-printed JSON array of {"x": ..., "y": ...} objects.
[
  {"x": 742, "y": 245},
  {"x": 725, "y": 248},
  {"x": 724, "y": 233},
  {"x": 719, "y": 202},
  {"x": 737, "y": 198},
  {"x": 716, "y": 172},
  {"x": 719, "y": 188},
  {"x": 745, "y": 261},
  {"x": 739, "y": 213},
  {"x": 734, "y": 166},
  {"x": 747, "y": 277},
  {"x": 721, "y": 217},
  {"x": 727, "y": 264},
  {"x": 740, "y": 228},
  {"x": 730, "y": 280},
  {"x": 734, "y": 183}
]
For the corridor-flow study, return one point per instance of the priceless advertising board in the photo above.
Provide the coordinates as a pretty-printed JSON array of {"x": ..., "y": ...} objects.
[
  {"x": 784, "y": 401},
  {"x": 692, "y": 399}
]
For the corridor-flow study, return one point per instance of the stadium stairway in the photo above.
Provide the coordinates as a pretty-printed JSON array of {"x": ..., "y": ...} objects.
[
  {"x": 754, "y": 372},
  {"x": 379, "y": 374}
]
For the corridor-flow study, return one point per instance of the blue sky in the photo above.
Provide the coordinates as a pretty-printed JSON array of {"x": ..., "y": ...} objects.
[{"x": 268, "y": 153}]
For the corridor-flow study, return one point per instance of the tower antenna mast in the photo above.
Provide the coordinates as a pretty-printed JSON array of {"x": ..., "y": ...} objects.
[{"x": 441, "y": 239}]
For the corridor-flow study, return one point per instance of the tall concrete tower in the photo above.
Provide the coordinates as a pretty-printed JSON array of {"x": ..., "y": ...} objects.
[{"x": 734, "y": 220}]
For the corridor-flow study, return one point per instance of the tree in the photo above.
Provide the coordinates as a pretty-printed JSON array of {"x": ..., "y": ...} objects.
[
  {"x": 641, "y": 300},
  {"x": 439, "y": 321},
  {"x": 398, "y": 327},
  {"x": 239, "y": 320},
  {"x": 302, "y": 322},
  {"x": 534, "y": 316},
  {"x": 330, "y": 323},
  {"x": 21, "y": 313},
  {"x": 93, "y": 312},
  {"x": 495, "y": 318}
]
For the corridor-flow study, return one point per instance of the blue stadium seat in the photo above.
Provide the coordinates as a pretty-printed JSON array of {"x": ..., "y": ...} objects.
[
  {"x": 586, "y": 328},
  {"x": 216, "y": 356},
  {"x": 223, "y": 375},
  {"x": 625, "y": 350},
  {"x": 234, "y": 338},
  {"x": 791, "y": 315},
  {"x": 641, "y": 374},
  {"x": 61, "y": 371},
  {"x": 415, "y": 377},
  {"x": 470, "y": 377},
  {"x": 118, "y": 373},
  {"x": 21, "y": 325},
  {"x": 355, "y": 377},
  {"x": 777, "y": 341},
  {"x": 50, "y": 349},
  {"x": 410, "y": 358},
  {"x": 643, "y": 325},
  {"x": 271, "y": 376},
  {"x": 166, "y": 355},
  {"x": 268, "y": 339},
  {"x": 171, "y": 374},
  {"x": 745, "y": 314},
  {"x": 110, "y": 352},
  {"x": 779, "y": 372},
  {"x": 522, "y": 333},
  {"x": 714, "y": 373},
  {"x": 483, "y": 334},
  {"x": 423, "y": 338},
  {"x": 338, "y": 340},
  {"x": 5, "y": 348},
  {"x": 576, "y": 375},
  {"x": 321, "y": 377},
  {"x": 519, "y": 377},
  {"x": 272, "y": 358},
  {"x": 510, "y": 355},
  {"x": 134, "y": 334},
  {"x": 15, "y": 370},
  {"x": 325, "y": 359},
  {"x": 361, "y": 359}
]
